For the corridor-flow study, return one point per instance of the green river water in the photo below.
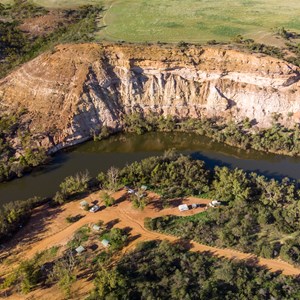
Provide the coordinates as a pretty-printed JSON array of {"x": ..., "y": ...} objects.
[{"x": 123, "y": 149}]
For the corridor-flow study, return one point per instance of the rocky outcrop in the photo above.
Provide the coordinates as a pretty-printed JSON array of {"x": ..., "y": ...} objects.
[{"x": 75, "y": 90}]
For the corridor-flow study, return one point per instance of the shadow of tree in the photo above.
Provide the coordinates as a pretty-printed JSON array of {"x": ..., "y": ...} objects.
[
  {"x": 112, "y": 223},
  {"x": 95, "y": 202},
  {"x": 73, "y": 219},
  {"x": 165, "y": 203},
  {"x": 127, "y": 230},
  {"x": 121, "y": 199},
  {"x": 31, "y": 232},
  {"x": 94, "y": 247},
  {"x": 133, "y": 238},
  {"x": 184, "y": 243}
]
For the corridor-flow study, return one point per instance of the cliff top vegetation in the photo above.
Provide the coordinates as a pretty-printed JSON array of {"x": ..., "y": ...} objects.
[{"x": 189, "y": 20}]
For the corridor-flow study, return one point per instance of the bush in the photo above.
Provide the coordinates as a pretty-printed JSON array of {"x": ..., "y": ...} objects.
[
  {"x": 117, "y": 238},
  {"x": 59, "y": 198},
  {"x": 73, "y": 219},
  {"x": 149, "y": 223},
  {"x": 15, "y": 214},
  {"x": 75, "y": 184},
  {"x": 104, "y": 134},
  {"x": 163, "y": 270},
  {"x": 108, "y": 200}
]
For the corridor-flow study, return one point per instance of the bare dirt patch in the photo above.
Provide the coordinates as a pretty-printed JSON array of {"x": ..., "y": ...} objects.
[
  {"x": 48, "y": 228},
  {"x": 43, "y": 25}
]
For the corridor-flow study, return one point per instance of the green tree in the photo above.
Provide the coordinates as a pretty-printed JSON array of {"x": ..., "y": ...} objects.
[
  {"x": 108, "y": 200},
  {"x": 75, "y": 184}
]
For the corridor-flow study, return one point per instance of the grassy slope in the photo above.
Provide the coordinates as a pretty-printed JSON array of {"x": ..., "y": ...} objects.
[
  {"x": 189, "y": 20},
  {"x": 60, "y": 3}
]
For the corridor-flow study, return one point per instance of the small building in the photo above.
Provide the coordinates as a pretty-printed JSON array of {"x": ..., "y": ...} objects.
[
  {"x": 80, "y": 249},
  {"x": 144, "y": 187},
  {"x": 96, "y": 227},
  {"x": 183, "y": 207},
  {"x": 83, "y": 204},
  {"x": 105, "y": 243}
]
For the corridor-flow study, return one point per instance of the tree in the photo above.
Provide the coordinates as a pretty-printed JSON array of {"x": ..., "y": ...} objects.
[
  {"x": 113, "y": 178},
  {"x": 63, "y": 273},
  {"x": 109, "y": 282},
  {"x": 138, "y": 199},
  {"x": 231, "y": 185},
  {"x": 59, "y": 198},
  {"x": 102, "y": 179},
  {"x": 75, "y": 184},
  {"x": 108, "y": 200},
  {"x": 29, "y": 275},
  {"x": 116, "y": 237}
]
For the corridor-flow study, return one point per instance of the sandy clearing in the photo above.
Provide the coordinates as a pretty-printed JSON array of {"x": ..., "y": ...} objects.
[
  {"x": 125, "y": 216},
  {"x": 123, "y": 212},
  {"x": 58, "y": 232}
]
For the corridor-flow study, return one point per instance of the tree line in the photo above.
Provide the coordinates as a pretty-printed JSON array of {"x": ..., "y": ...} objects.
[
  {"x": 17, "y": 47},
  {"x": 257, "y": 214},
  {"x": 12, "y": 163},
  {"x": 241, "y": 134},
  {"x": 160, "y": 270}
]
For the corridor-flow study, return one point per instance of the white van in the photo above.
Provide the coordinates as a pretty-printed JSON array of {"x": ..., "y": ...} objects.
[{"x": 183, "y": 207}]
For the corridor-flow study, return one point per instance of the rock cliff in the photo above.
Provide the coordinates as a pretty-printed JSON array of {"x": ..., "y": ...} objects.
[{"x": 76, "y": 89}]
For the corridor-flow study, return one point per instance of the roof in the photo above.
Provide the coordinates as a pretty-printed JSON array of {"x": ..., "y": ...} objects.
[
  {"x": 96, "y": 227},
  {"x": 105, "y": 243},
  {"x": 83, "y": 203},
  {"x": 183, "y": 207},
  {"x": 79, "y": 249}
]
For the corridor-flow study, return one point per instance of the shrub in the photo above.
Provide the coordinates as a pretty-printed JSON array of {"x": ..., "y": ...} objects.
[
  {"x": 75, "y": 184},
  {"x": 117, "y": 238},
  {"x": 108, "y": 200},
  {"x": 15, "y": 214},
  {"x": 73, "y": 219}
]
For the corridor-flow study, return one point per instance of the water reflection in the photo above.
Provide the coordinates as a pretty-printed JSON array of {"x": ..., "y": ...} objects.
[{"x": 120, "y": 150}]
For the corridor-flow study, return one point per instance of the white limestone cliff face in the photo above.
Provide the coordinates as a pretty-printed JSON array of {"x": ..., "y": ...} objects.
[{"x": 73, "y": 92}]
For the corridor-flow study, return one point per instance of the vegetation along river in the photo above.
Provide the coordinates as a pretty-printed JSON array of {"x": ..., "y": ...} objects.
[{"x": 122, "y": 149}]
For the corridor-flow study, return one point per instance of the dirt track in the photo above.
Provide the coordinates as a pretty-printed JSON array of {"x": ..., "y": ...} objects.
[
  {"x": 123, "y": 215},
  {"x": 48, "y": 228}
]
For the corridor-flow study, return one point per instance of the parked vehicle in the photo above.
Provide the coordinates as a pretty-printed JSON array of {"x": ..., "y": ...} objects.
[
  {"x": 214, "y": 203},
  {"x": 94, "y": 208},
  {"x": 183, "y": 207}
]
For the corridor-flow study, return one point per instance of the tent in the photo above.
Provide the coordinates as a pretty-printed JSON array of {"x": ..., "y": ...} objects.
[
  {"x": 79, "y": 250},
  {"x": 105, "y": 243}
]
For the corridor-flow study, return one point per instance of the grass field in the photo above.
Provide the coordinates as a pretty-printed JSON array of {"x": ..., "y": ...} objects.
[{"x": 190, "y": 20}]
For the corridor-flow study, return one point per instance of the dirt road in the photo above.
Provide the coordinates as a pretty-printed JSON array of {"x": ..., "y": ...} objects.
[{"x": 123, "y": 215}]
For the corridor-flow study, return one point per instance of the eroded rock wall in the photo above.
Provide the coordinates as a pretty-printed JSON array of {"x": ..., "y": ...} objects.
[{"x": 73, "y": 92}]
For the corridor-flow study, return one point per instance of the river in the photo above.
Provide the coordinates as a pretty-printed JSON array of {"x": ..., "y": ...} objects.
[{"x": 123, "y": 149}]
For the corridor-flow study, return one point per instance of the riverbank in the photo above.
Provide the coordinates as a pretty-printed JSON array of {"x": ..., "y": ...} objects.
[
  {"x": 102, "y": 84},
  {"x": 123, "y": 149},
  {"x": 48, "y": 228},
  {"x": 250, "y": 219},
  {"x": 277, "y": 140}
]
